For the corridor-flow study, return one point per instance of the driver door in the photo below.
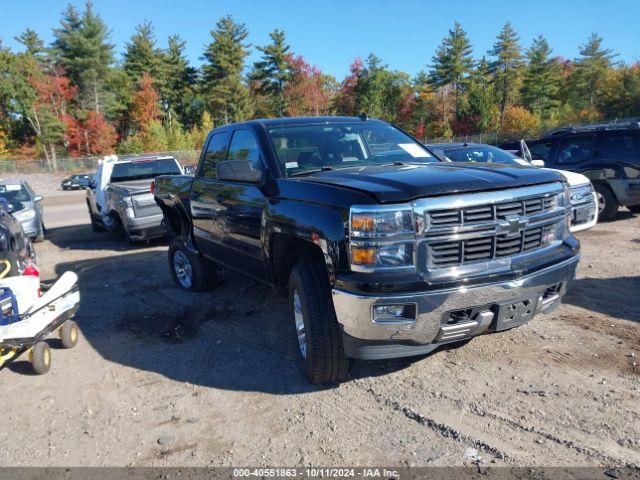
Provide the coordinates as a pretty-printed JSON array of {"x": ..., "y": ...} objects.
[{"x": 240, "y": 207}]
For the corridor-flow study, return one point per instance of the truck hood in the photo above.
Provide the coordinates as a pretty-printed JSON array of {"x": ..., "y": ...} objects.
[
  {"x": 392, "y": 184},
  {"x": 134, "y": 187}
]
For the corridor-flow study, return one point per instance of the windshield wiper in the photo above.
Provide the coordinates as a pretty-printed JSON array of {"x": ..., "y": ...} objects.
[{"x": 324, "y": 168}]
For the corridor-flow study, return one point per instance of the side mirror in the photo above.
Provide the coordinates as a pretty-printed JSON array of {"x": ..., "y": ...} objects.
[
  {"x": 537, "y": 163},
  {"x": 239, "y": 171},
  {"x": 38, "y": 198}
]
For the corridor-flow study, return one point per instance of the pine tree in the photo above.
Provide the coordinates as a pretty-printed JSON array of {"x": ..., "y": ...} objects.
[
  {"x": 177, "y": 92},
  {"x": 506, "y": 67},
  {"x": 591, "y": 68},
  {"x": 141, "y": 54},
  {"x": 272, "y": 72},
  {"x": 227, "y": 96},
  {"x": 480, "y": 105},
  {"x": 452, "y": 64},
  {"x": 82, "y": 49},
  {"x": 32, "y": 42},
  {"x": 541, "y": 79}
]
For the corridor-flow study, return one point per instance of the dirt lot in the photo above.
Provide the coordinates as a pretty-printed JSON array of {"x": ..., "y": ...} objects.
[{"x": 166, "y": 378}]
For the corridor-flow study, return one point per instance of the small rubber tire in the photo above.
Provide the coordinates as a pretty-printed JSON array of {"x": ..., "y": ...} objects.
[
  {"x": 610, "y": 207},
  {"x": 190, "y": 271},
  {"x": 634, "y": 208},
  {"x": 324, "y": 360},
  {"x": 40, "y": 357},
  {"x": 69, "y": 333}
]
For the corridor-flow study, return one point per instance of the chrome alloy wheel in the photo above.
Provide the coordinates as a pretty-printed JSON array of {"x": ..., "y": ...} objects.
[
  {"x": 182, "y": 267},
  {"x": 300, "y": 331},
  {"x": 601, "y": 202}
]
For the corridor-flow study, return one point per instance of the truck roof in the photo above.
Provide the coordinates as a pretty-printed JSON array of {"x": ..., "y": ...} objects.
[{"x": 269, "y": 122}]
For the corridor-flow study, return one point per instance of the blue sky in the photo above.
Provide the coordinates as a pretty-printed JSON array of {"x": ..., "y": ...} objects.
[{"x": 330, "y": 34}]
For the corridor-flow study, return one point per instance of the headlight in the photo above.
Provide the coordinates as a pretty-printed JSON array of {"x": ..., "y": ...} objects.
[
  {"x": 377, "y": 224},
  {"x": 381, "y": 238},
  {"x": 581, "y": 194},
  {"x": 25, "y": 214}
]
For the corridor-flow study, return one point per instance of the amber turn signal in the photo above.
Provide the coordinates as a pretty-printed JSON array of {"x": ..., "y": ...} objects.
[
  {"x": 363, "y": 223},
  {"x": 363, "y": 256}
]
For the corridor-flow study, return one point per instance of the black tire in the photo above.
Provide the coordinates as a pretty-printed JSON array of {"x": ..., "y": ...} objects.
[
  {"x": 190, "y": 271},
  {"x": 40, "y": 236},
  {"x": 69, "y": 334},
  {"x": 634, "y": 208},
  {"x": 607, "y": 203},
  {"x": 40, "y": 357},
  {"x": 322, "y": 359},
  {"x": 95, "y": 226}
]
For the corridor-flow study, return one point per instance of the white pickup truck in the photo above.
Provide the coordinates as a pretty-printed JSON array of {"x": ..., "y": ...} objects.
[{"x": 120, "y": 195}]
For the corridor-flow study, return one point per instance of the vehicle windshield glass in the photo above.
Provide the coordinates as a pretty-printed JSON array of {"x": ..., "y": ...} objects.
[
  {"x": 312, "y": 147},
  {"x": 14, "y": 193},
  {"x": 138, "y": 170},
  {"x": 483, "y": 154}
]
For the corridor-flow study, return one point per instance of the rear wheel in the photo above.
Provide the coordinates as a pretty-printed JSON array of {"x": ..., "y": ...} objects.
[
  {"x": 69, "y": 334},
  {"x": 189, "y": 270},
  {"x": 40, "y": 357},
  {"x": 320, "y": 352},
  {"x": 607, "y": 203}
]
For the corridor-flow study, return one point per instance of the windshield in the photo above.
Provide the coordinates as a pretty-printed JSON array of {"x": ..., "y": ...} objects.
[
  {"x": 313, "y": 147},
  {"x": 482, "y": 154},
  {"x": 123, "y": 172},
  {"x": 14, "y": 194}
]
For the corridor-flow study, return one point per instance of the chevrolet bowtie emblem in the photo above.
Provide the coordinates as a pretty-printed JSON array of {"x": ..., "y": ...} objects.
[{"x": 513, "y": 224}]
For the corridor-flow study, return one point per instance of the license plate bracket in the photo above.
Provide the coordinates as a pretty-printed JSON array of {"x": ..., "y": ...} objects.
[
  {"x": 583, "y": 215},
  {"x": 516, "y": 312}
]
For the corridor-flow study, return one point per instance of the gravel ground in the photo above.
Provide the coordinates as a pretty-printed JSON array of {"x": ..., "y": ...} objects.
[{"x": 164, "y": 378}]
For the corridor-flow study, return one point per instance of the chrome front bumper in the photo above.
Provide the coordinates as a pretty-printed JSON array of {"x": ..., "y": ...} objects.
[{"x": 432, "y": 325}]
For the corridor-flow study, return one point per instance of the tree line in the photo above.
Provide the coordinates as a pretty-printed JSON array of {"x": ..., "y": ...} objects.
[{"x": 72, "y": 98}]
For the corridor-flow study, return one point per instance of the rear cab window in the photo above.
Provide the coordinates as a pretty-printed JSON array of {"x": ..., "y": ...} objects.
[{"x": 619, "y": 146}]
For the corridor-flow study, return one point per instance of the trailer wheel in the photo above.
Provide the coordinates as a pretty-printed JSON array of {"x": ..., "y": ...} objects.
[
  {"x": 69, "y": 334},
  {"x": 40, "y": 357}
]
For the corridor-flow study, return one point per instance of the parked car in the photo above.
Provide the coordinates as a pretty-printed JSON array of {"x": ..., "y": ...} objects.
[
  {"x": 25, "y": 206},
  {"x": 383, "y": 250},
  {"x": 76, "y": 182},
  {"x": 15, "y": 246},
  {"x": 120, "y": 196},
  {"x": 606, "y": 153},
  {"x": 584, "y": 202}
]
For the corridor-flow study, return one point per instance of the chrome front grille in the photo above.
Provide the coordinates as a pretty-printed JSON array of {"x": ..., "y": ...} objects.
[
  {"x": 485, "y": 213},
  {"x": 480, "y": 233},
  {"x": 455, "y": 252}
]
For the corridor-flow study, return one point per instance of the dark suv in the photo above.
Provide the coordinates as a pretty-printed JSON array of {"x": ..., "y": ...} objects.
[{"x": 607, "y": 153}]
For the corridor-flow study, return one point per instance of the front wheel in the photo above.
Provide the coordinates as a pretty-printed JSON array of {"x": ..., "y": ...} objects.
[
  {"x": 189, "y": 270},
  {"x": 40, "y": 357},
  {"x": 607, "y": 203},
  {"x": 320, "y": 352}
]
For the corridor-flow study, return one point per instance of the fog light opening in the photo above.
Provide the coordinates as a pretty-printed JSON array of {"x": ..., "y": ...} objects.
[{"x": 394, "y": 313}]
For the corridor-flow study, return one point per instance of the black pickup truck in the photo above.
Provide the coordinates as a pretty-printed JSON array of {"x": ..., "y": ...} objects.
[{"x": 384, "y": 251}]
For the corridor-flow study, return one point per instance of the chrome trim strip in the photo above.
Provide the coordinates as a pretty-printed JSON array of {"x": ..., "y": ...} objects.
[{"x": 486, "y": 198}]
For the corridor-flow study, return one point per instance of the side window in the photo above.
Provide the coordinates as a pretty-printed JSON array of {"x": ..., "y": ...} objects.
[
  {"x": 216, "y": 150},
  {"x": 620, "y": 146},
  {"x": 575, "y": 150},
  {"x": 541, "y": 150},
  {"x": 244, "y": 146}
]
